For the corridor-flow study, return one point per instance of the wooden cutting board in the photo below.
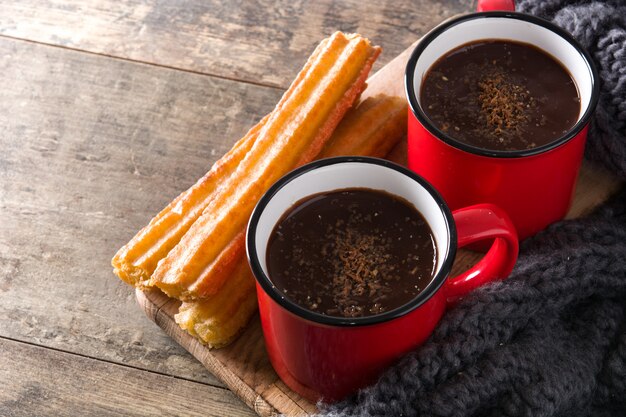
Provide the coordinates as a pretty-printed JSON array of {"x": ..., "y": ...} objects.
[{"x": 244, "y": 367}]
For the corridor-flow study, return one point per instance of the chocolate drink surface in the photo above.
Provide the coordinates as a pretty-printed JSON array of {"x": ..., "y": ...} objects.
[
  {"x": 500, "y": 95},
  {"x": 351, "y": 253}
]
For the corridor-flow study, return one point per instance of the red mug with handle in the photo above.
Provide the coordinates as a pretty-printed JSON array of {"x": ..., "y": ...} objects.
[
  {"x": 328, "y": 357},
  {"x": 534, "y": 186}
]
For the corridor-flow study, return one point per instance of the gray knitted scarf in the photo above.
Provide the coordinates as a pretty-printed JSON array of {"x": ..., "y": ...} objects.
[{"x": 551, "y": 339}]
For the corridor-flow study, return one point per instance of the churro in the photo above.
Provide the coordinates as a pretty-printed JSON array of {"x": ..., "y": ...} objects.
[
  {"x": 194, "y": 248},
  {"x": 218, "y": 319},
  {"x": 135, "y": 262},
  {"x": 372, "y": 128},
  {"x": 294, "y": 134}
]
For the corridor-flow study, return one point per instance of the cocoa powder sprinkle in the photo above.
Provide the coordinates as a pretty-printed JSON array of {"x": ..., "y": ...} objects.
[{"x": 504, "y": 104}]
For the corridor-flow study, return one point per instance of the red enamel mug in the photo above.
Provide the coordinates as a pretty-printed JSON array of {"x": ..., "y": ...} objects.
[
  {"x": 535, "y": 186},
  {"x": 327, "y": 357}
]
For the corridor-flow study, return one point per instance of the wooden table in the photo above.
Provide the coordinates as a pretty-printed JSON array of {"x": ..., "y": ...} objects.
[{"x": 108, "y": 109}]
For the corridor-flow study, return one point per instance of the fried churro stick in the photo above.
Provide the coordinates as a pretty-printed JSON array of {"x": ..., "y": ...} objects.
[
  {"x": 294, "y": 134},
  {"x": 371, "y": 129},
  {"x": 135, "y": 262},
  {"x": 217, "y": 320}
]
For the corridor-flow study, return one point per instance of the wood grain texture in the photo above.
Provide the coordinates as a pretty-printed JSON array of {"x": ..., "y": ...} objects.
[
  {"x": 91, "y": 149},
  {"x": 244, "y": 367},
  {"x": 44, "y": 382},
  {"x": 257, "y": 41}
]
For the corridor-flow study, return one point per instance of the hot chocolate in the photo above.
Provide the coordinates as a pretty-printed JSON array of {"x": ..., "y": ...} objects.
[
  {"x": 351, "y": 253},
  {"x": 500, "y": 95}
]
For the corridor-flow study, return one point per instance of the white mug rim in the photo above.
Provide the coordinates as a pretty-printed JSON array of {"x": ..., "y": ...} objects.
[
  {"x": 265, "y": 282},
  {"x": 417, "y": 111}
]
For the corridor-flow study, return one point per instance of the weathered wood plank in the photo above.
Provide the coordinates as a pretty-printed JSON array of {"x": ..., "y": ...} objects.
[
  {"x": 92, "y": 148},
  {"x": 243, "y": 365},
  {"x": 258, "y": 41},
  {"x": 44, "y": 382}
]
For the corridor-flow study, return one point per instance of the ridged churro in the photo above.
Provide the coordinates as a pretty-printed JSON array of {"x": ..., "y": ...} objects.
[
  {"x": 218, "y": 319},
  {"x": 135, "y": 262},
  {"x": 294, "y": 134},
  {"x": 194, "y": 248},
  {"x": 371, "y": 129}
]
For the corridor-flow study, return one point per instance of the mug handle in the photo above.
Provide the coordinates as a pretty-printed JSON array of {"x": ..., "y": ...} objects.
[
  {"x": 478, "y": 223},
  {"x": 493, "y": 5}
]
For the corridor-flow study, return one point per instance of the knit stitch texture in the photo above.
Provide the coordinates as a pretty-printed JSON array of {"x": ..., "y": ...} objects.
[
  {"x": 600, "y": 27},
  {"x": 551, "y": 339}
]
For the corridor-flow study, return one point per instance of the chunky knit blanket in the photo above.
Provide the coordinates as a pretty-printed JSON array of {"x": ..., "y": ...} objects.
[
  {"x": 551, "y": 339},
  {"x": 600, "y": 26}
]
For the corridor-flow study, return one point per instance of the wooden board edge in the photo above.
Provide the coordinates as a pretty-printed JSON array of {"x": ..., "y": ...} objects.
[
  {"x": 264, "y": 404},
  {"x": 151, "y": 302},
  {"x": 592, "y": 176}
]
